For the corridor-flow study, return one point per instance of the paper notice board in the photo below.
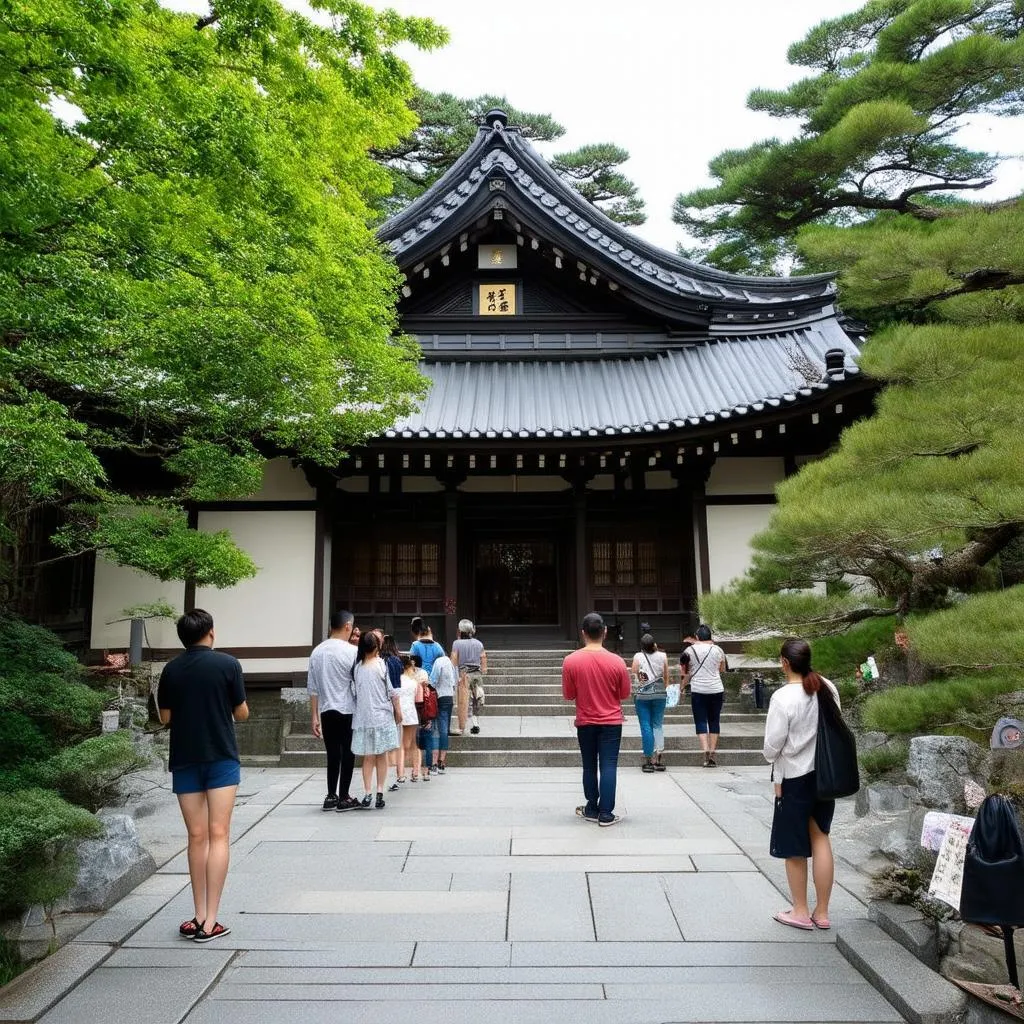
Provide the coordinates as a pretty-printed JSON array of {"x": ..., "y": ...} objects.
[{"x": 948, "y": 877}]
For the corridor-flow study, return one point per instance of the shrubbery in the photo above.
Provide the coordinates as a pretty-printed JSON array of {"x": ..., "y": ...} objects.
[
  {"x": 54, "y": 769},
  {"x": 933, "y": 706}
]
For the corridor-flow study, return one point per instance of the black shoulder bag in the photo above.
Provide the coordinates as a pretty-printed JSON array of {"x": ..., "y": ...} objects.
[{"x": 837, "y": 772}]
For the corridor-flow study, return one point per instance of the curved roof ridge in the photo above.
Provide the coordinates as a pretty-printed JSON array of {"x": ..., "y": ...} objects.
[
  {"x": 497, "y": 148},
  {"x": 458, "y": 172},
  {"x": 542, "y": 168}
]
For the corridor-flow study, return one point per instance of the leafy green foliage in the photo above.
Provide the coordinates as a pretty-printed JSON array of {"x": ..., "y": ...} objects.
[
  {"x": 448, "y": 125},
  {"x": 87, "y": 773},
  {"x": 37, "y": 864},
  {"x": 592, "y": 171},
  {"x": 891, "y": 84},
  {"x": 188, "y": 270},
  {"x": 50, "y": 758},
  {"x": 932, "y": 706},
  {"x": 878, "y": 762},
  {"x": 982, "y": 630}
]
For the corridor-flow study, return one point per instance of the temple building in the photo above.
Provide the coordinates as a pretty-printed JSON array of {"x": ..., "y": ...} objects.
[{"x": 605, "y": 427}]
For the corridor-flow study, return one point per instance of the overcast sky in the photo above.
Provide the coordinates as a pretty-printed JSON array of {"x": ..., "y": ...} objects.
[{"x": 666, "y": 80}]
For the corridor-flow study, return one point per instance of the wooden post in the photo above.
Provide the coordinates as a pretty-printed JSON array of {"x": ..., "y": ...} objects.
[
  {"x": 451, "y": 565},
  {"x": 582, "y": 596}
]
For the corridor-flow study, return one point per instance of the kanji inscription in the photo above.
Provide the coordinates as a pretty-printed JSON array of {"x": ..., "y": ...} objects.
[{"x": 497, "y": 299}]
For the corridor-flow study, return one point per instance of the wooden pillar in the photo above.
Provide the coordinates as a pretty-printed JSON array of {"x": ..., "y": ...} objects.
[
  {"x": 451, "y": 564},
  {"x": 700, "y": 524},
  {"x": 322, "y": 563},
  {"x": 582, "y": 602}
]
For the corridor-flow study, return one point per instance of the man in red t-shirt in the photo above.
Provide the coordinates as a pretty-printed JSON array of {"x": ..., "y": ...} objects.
[{"x": 598, "y": 682}]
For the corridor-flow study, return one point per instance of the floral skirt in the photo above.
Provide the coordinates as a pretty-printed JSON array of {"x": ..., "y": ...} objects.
[{"x": 378, "y": 740}]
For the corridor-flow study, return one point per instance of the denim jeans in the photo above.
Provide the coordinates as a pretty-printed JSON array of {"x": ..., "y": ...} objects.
[
  {"x": 651, "y": 716},
  {"x": 444, "y": 720},
  {"x": 599, "y": 749},
  {"x": 427, "y": 736}
]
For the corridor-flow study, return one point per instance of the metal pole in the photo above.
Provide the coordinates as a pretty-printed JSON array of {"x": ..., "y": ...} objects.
[
  {"x": 1011, "y": 955},
  {"x": 135, "y": 642}
]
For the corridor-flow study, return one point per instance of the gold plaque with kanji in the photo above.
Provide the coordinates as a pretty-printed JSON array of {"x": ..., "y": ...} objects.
[{"x": 497, "y": 300}]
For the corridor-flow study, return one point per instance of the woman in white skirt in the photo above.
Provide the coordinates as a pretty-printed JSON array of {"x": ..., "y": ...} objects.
[
  {"x": 378, "y": 710},
  {"x": 408, "y": 752}
]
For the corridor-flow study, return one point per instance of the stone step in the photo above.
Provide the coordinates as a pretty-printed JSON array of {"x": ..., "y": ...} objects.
[
  {"x": 494, "y": 707},
  {"x": 483, "y": 741},
  {"x": 539, "y": 758},
  {"x": 535, "y": 695}
]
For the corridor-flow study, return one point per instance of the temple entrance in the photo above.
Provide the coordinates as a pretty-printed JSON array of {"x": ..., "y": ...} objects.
[{"x": 517, "y": 582}]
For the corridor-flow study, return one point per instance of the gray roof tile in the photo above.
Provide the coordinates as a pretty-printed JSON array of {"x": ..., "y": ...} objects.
[{"x": 719, "y": 380}]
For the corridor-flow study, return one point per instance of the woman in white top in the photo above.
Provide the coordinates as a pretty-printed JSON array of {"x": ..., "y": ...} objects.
[
  {"x": 702, "y": 664},
  {"x": 408, "y": 754},
  {"x": 802, "y": 822},
  {"x": 650, "y": 670},
  {"x": 374, "y": 728}
]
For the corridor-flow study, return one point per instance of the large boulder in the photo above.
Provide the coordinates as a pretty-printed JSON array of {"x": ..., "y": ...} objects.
[
  {"x": 939, "y": 765},
  {"x": 109, "y": 867}
]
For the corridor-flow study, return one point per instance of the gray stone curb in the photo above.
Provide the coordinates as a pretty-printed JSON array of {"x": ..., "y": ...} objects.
[
  {"x": 915, "y": 990},
  {"x": 31, "y": 994}
]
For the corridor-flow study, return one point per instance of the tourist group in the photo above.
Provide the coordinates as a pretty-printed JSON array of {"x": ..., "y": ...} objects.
[
  {"x": 396, "y": 709},
  {"x": 393, "y": 709}
]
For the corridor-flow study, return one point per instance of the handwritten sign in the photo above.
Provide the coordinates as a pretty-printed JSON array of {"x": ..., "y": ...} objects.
[
  {"x": 948, "y": 877},
  {"x": 936, "y": 824}
]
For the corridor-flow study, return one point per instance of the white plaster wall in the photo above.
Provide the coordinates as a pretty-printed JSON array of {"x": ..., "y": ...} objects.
[
  {"x": 116, "y": 588},
  {"x": 659, "y": 480},
  {"x": 513, "y": 484},
  {"x": 275, "y": 607},
  {"x": 730, "y": 530},
  {"x": 745, "y": 476},
  {"x": 282, "y": 482},
  {"x": 275, "y": 664},
  {"x": 354, "y": 485},
  {"x": 421, "y": 485}
]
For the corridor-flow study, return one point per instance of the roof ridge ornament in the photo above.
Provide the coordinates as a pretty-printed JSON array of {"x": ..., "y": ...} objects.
[{"x": 497, "y": 119}]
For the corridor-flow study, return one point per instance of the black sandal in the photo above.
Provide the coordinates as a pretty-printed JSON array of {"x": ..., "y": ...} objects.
[
  {"x": 217, "y": 931},
  {"x": 659, "y": 765},
  {"x": 188, "y": 929}
]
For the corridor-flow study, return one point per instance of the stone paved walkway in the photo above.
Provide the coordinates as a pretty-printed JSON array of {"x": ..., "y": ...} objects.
[{"x": 479, "y": 897}]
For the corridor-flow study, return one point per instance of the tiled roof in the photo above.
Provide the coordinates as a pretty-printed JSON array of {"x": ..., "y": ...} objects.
[
  {"x": 719, "y": 380},
  {"x": 500, "y": 155}
]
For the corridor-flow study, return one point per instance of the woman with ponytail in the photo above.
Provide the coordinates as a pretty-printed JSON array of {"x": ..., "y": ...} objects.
[{"x": 802, "y": 822}]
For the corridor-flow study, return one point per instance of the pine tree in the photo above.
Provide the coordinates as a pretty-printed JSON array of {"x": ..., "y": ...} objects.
[
  {"x": 913, "y": 511},
  {"x": 447, "y": 126}
]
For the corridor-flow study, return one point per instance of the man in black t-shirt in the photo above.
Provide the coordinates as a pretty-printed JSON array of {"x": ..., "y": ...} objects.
[{"x": 201, "y": 695}]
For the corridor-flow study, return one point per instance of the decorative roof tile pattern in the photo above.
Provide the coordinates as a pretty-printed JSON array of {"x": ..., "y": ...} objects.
[
  {"x": 715, "y": 381},
  {"x": 503, "y": 152}
]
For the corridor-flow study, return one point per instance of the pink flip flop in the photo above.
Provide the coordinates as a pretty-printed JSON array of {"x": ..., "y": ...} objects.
[
  {"x": 821, "y": 922},
  {"x": 786, "y": 917}
]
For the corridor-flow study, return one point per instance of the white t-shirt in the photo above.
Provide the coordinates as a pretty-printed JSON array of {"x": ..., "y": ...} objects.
[
  {"x": 791, "y": 730},
  {"x": 330, "y": 675},
  {"x": 650, "y": 669},
  {"x": 706, "y": 660}
]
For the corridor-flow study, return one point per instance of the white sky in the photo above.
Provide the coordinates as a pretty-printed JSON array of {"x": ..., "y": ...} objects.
[{"x": 666, "y": 80}]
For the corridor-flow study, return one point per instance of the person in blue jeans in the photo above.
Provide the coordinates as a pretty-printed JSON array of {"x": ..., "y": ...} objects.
[
  {"x": 444, "y": 677},
  {"x": 650, "y": 670},
  {"x": 598, "y": 682}
]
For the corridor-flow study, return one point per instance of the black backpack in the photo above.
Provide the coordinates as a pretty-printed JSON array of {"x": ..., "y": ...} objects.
[
  {"x": 993, "y": 888},
  {"x": 837, "y": 772}
]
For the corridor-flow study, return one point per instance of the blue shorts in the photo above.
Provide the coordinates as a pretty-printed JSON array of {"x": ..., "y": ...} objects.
[{"x": 198, "y": 778}]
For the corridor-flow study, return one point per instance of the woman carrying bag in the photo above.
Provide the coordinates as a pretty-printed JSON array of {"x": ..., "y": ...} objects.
[
  {"x": 650, "y": 670},
  {"x": 802, "y": 819}
]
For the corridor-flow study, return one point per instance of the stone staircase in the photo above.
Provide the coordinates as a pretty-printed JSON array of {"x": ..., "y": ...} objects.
[{"x": 526, "y": 723}]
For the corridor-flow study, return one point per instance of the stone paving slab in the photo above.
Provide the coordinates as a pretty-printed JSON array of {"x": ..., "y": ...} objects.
[
  {"x": 549, "y": 907},
  {"x": 632, "y": 907},
  {"x": 134, "y": 994},
  {"x": 41, "y": 986},
  {"x": 742, "y": 1008},
  {"x": 483, "y": 897}
]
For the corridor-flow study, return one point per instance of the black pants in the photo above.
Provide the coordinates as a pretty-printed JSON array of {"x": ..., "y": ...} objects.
[{"x": 337, "y": 733}]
